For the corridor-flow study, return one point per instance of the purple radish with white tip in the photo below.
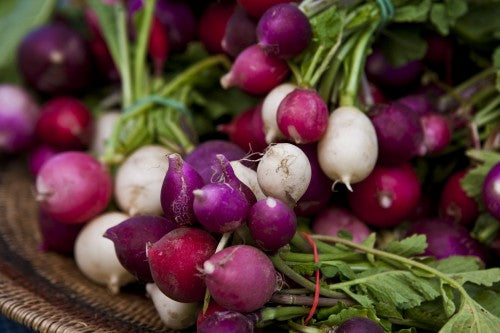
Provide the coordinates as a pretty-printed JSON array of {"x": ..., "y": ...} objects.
[
  {"x": 226, "y": 322},
  {"x": 229, "y": 177}
]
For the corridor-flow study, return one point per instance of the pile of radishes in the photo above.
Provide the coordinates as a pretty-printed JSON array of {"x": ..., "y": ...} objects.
[{"x": 196, "y": 227}]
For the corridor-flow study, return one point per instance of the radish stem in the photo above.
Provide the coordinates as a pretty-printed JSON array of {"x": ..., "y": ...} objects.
[{"x": 142, "y": 41}]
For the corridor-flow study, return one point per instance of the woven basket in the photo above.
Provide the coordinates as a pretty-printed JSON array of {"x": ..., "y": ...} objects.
[{"x": 46, "y": 291}]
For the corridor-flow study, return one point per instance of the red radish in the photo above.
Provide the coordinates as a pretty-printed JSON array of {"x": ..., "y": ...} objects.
[
  {"x": 240, "y": 33},
  {"x": 302, "y": 116},
  {"x": 57, "y": 236},
  {"x": 387, "y": 196},
  {"x": 226, "y": 322},
  {"x": 212, "y": 308},
  {"x": 65, "y": 123},
  {"x": 212, "y": 25},
  {"x": 18, "y": 116},
  {"x": 174, "y": 261},
  {"x": 73, "y": 187},
  {"x": 455, "y": 203},
  {"x": 177, "y": 191},
  {"x": 437, "y": 133},
  {"x": 232, "y": 274},
  {"x": 130, "y": 238},
  {"x": 38, "y": 156},
  {"x": 270, "y": 107},
  {"x": 272, "y": 223},
  {"x": 255, "y": 72},
  {"x": 257, "y": 7},
  {"x": 491, "y": 191},
  {"x": 158, "y": 46},
  {"x": 180, "y": 22},
  {"x": 335, "y": 218}
]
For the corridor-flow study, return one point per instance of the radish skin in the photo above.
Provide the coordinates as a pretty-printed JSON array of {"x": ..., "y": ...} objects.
[
  {"x": 348, "y": 151},
  {"x": 101, "y": 131},
  {"x": 270, "y": 110},
  {"x": 248, "y": 177}
]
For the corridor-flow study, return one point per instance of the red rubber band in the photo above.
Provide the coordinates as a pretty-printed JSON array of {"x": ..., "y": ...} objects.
[{"x": 316, "y": 290}]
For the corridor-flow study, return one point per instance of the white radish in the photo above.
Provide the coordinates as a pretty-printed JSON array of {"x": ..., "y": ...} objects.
[
  {"x": 284, "y": 172},
  {"x": 102, "y": 130},
  {"x": 175, "y": 315},
  {"x": 348, "y": 151},
  {"x": 270, "y": 109},
  {"x": 248, "y": 177},
  {"x": 139, "y": 180},
  {"x": 95, "y": 255}
]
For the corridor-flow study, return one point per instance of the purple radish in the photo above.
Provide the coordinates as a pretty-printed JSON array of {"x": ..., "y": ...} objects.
[
  {"x": 240, "y": 33},
  {"x": 180, "y": 22},
  {"x": 302, "y": 116},
  {"x": 240, "y": 278},
  {"x": 272, "y": 223},
  {"x": 226, "y": 322},
  {"x": 284, "y": 31},
  {"x": 491, "y": 191},
  {"x": 220, "y": 207},
  {"x": 18, "y": 116},
  {"x": 177, "y": 191},
  {"x": 38, "y": 156},
  {"x": 437, "y": 133},
  {"x": 57, "y": 236},
  {"x": 399, "y": 132},
  {"x": 255, "y": 72},
  {"x": 418, "y": 103},
  {"x": 335, "y": 218},
  {"x": 130, "y": 238},
  {"x": 359, "y": 325},
  {"x": 228, "y": 176}
]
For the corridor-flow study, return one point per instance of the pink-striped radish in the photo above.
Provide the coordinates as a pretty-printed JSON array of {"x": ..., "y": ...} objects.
[{"x": 270, "y": 110}]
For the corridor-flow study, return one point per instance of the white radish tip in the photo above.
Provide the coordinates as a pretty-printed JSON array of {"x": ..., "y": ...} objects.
[
  {"x": 114, "y": 284},
  {"x": 198, "y": 193},
  {"x": 270, "y": 136},
  {"x": 347, "y": 182},
  {"x": 226, "y": 80},
  {"x": 271, "y": 203},
  {"x": 208, "y": 267}
]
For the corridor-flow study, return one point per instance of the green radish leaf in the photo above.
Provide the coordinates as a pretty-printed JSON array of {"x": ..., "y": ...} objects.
[
  {"x": 348, "y": 313},
  {"x": 457, "y": 264},
  {"x": 407, "y": 330},
  {"x": 387, "y": 311},
  {"x": 485, "y": 277},
  {"x": 444, "y": 15},
  {"x": 487, "y": 298},
  {"x": 471, "y": 318},
  {"x": 448, "y": 303},
  {"x": 472, "y": 182},
  {"x": 496, "y": 63},
  {"x": 370, "y": 242},
  {"x": 332, "y": 268},
  {"x": 486, "y": 228},
  {"x": 480, "y": 25},
  {"x": 408, "y": 247},
  {"x": 430, "y": 313},
  {"x": 402, "y": 44},
  {"x": 414, "y": 12}
]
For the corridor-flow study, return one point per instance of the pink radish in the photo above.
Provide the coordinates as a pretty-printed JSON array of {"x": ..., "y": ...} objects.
[{"x": 333, "y": 219}]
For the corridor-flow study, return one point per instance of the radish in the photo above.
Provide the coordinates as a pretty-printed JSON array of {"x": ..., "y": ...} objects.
[
  {"x": 212, "y": 308},
  {"x": 284, "y": 31},
  {"x": 57, "y": 236},
  {"x": 95, "y": 255},
  {"x": 256, "y": 8},
  {"x": 180, "y": 22},
  {"x": 73, "y": 187},
  {"x": 176, "y": 194},
  {"x": 255, "y": 72},
  {"x": 240, "y": 33},
  {"x": 335, "y": 218},
  {"x": 139, "y": 179},
  {"x": 226, "y": 322},
  {"x": 437, "y": 133},
  {"x": 348, "y": 151},
  {"x": 38, "y": 156},
  {"x": 418, "y": 103},
  {"x": 130, "y": 238},
  {"x": 272, "y": 223},
  {"x": 359, "y": 324},
  {"x": 270, "y": 109},
  {"x": 284, "y": 172},
  {"x": 248, "y": 177},
  {"x": 18, "y": 117},
  {"x": 455, "y": 203},
  {"x": 387, "y": 196},
  {"x": 102, "y": 128},
  {"x": 175, "y": 315},
  {"x": 225, "y": 173},
  {"x": 158, "y": 45},
  {"x": 212, "y": 25},
  {"x": 175, "y": 259},
  {"x": 302, "y": 116},
  {"x": 232, "y": 274},
  {"x": 491, "y": 191}
]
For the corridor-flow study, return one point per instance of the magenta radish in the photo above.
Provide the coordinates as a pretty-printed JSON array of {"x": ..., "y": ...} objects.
[
  {"x": 138, "y": 180},
  {"x": 437, "y": 133},
  {"x": 491, "y": 191},
  {"x": 358, "y": 325},
  {"x": 232, "y": 274},
  {"x": 179, "y": 21},
  {"x": 73, "y": 187},
  {"x": 284, "y": 31},
  {"x": 226, "y": 322},
  {"x": 348, "y": 151},
  {"x": 130, "y": 238},
  {"x": 220, "y": 207},
  {"x": 399, "y": 132},
  {"x": 225, "y": 174},
  {"x": 212, "y": 308},
  {"x": 455, "y": 203},
  {"x": 333, "y": 219},
  {"x": 272, "y": 223},
  {"x": 38, "y": 156},
  {"x": 54, "y": 59},
  {"x": 270, "y": 107},
  {"x": 18, "y": 117},
  {"x": 248, "y": 177},
  {"x": 418, "y": 103},
  {"x": 65, "y": 123},
  {"x": 284, "y": 172},
  {"x": 387, "y": 196},
  {"x": 256, "y": 8},
  {"x": 302, "y": 116},
  {"x": 212, "y": 25},
  {"x": 255, "y": 72},
  {"x": 177, "y": 188},
  {"x": 57, "y": 236},
  {"x": 158, "y": 45},
  {"x": 174, "y": 261},
  {"x": 240, "y": 33}
]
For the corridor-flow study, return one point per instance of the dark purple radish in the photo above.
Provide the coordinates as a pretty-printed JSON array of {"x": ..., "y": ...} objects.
[
  {"x": 57, "y": 236},
  {"x": 437, "y": 133},
  {"x": 18, "y": 117},
  {"x": 256, "y": 8},
  {"x": 204, "y": 157},
  {"x": 255, "y": 72},
  {"x": 387, "y": 196},
  {"x": 130, "y": 238},
  {"x": 240, "y": 278},
  {"x": 54, "y": 59},
  {"x": 180, "y": 22},
  {"x": 73, "y": 187},
  {"x": 399, "y": 132},
  {"x": 38, "y": 156},
  {"x": 491, "y": 191},
  {"x": 220, "y": 207},
  {"x": 445, "y": 239},
  {"x": 226, "y": 175},
  {"x": 177, "y": 189},
  {"x": 418, "y": 103},
  {"x": 211, "y": 309},
  {"x": 455, "y": 203},
  {"x": 240, "y": 33},
  {"x": 272, "y": 223},
  {"x": 175, "y": 260},
  {"x": 226, "y": 322},
  {"x": 284, "y": 31},
  {"x": 302, "y": 116},
  {"x": 359, "y": 325},
  {"x": 336, "y": 218},
  {"x": 212, "y": 25}
]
